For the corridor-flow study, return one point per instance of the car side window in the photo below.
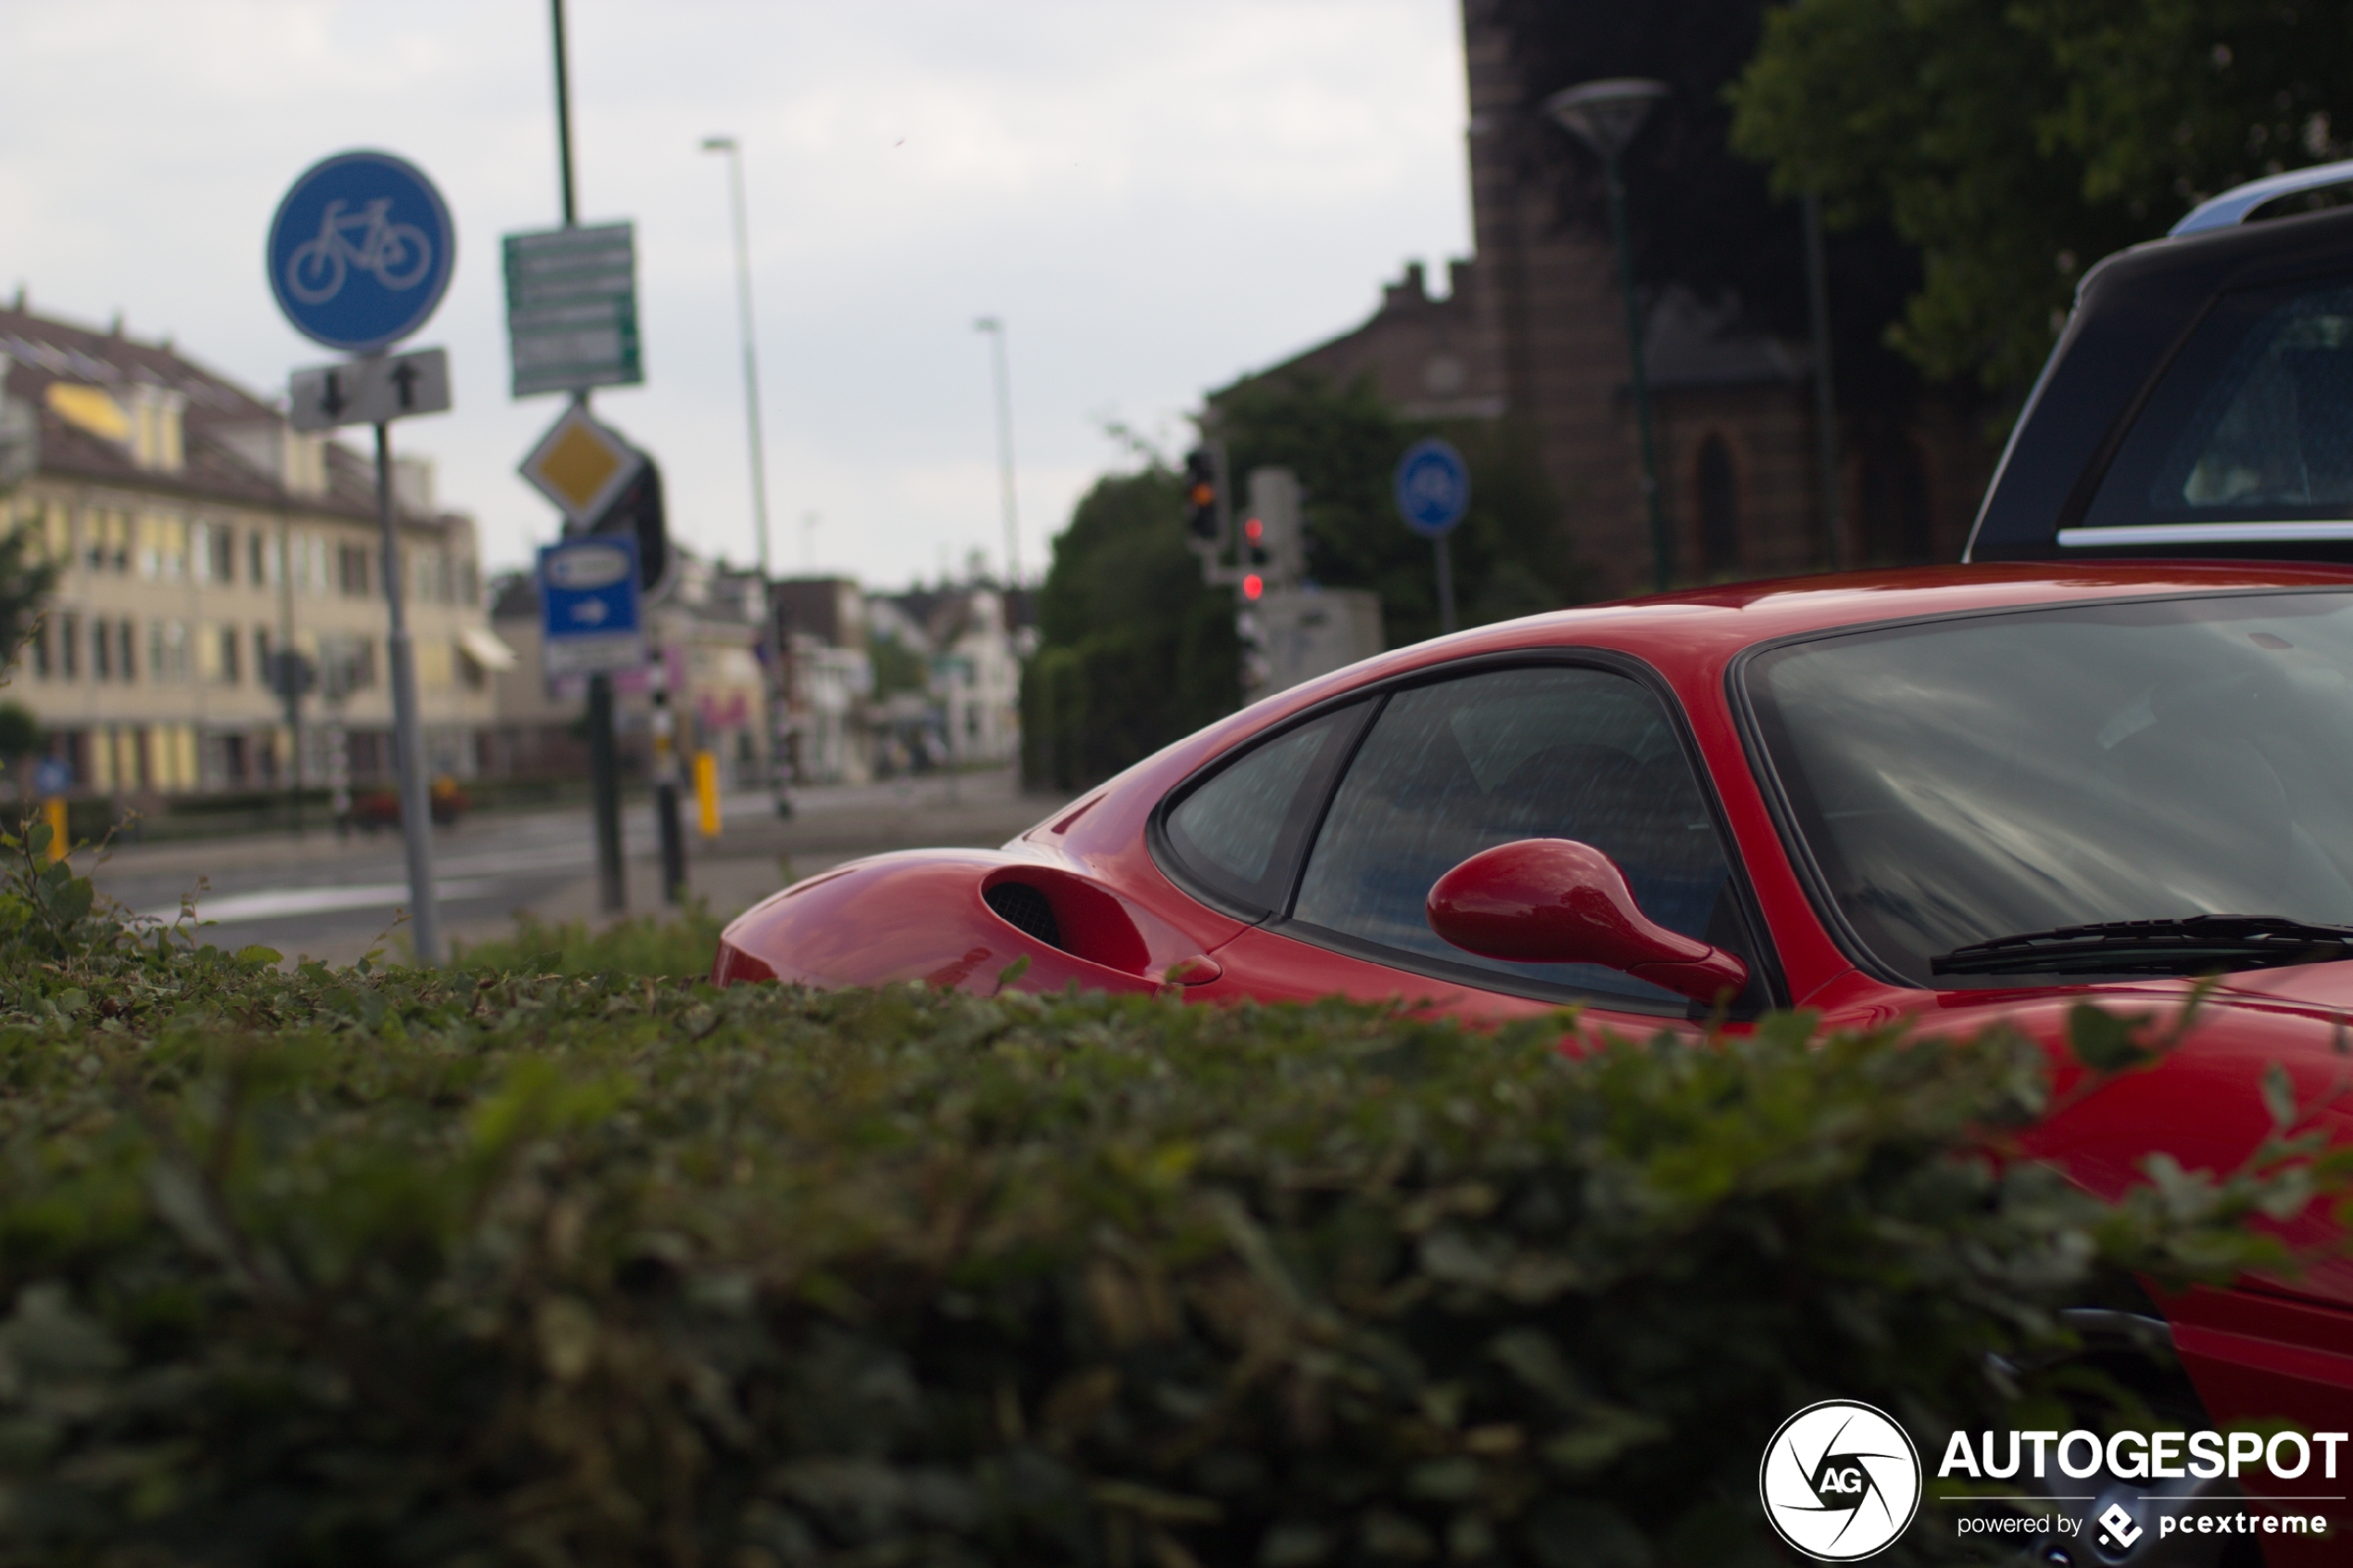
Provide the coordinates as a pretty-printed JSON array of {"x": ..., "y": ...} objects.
[
  {"x": 1552, "y": 751},
  {"x": 2253, "y": 420},
  {"x": 1238, "y": 834}
]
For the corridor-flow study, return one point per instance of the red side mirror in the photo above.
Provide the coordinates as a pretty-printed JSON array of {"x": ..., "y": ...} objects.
[{"x": 1554, "y": 900}]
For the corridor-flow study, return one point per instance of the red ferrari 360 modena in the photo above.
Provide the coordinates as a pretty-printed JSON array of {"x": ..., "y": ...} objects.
[{"x": 2109, "y": 754}]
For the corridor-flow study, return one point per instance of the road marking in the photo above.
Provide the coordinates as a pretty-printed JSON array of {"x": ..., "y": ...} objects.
[{"x": 285, "y": 903}]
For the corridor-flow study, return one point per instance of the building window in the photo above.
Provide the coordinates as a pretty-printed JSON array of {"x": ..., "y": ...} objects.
[
  {"x": 107, "y": 534},
  {"x": 217, "y": 653},
  {"x": 311, "y": 568},
  {"x": 163, "y": 548},
  {"x": 347, "y": 663},
  {"x": 1717, "y": 492},
  {"x": 261, "y": 655},
  {"x": 166, "y": 650},
  {"x": 436, "y": 666},
  {"x": 126, "y": 646},
  {"x": 216, "y": 552},
  {"x": 351, "y": 570},
  {"x": 68, "y": 644},
  {"x": 256, "y": 550},
  {"x": 39, "y": 648}
]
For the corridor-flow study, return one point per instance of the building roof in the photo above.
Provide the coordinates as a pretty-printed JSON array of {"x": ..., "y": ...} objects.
[{"x": 228, "y": 431}]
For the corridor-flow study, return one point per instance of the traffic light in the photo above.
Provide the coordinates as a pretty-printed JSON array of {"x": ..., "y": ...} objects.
[
  {"x": 637, "y": 511},
  {"x": 1201, "y": 497},
  {"x": 289, "y": 674},
  {"x": 1274, "y": 537}
]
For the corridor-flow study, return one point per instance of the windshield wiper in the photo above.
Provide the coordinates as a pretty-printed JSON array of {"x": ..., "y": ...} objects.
[{"x": 2194, "y": 944}]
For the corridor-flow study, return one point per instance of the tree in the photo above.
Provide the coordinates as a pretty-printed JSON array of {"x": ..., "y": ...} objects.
[
  {"x": 19, "y": 734},
  {"x": 1510, "y": 557},
  {"x": 26, "y": 577},
  {"x": 2014, "y": 144},
  {"x": 1135, "y": 650}
]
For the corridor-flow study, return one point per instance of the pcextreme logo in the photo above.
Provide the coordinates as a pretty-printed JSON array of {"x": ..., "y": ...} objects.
[{"x": 1841, "y": 1481}]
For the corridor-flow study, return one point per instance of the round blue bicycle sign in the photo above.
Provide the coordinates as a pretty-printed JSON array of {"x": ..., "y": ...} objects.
[
  {"x": 360, "y": 251},
  {"x": 1433, "y": 487}
]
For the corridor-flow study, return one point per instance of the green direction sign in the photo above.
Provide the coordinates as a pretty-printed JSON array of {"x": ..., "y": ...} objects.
[{"x": 571, "y": 308}]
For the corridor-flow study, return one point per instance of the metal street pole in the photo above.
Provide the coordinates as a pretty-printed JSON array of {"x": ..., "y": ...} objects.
[
  {"x": 285, "y": 657},
  {"x": 1817, "y": 302},
  {"x": 408, "y": 745},
  {"x": 995, "y": 328},
  {"x": 1605, "y": 115},
  {"x": 1662, "y": 546},
  {"x": 1445, "y": 587},
  {"x": 604, "y": 762},
  {"x": 673, "y": 839},
  {"x": 755, "y": 442}
]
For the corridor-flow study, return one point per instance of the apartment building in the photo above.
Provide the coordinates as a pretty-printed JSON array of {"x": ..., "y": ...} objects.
[{"x": 195, "y": 535}]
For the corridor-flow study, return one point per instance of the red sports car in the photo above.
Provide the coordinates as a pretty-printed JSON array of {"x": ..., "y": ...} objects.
[{"x": 1967, "y": 793}]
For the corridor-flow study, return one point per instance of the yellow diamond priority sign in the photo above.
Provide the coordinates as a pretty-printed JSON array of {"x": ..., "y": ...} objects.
[{"x": 581, "y": 465}]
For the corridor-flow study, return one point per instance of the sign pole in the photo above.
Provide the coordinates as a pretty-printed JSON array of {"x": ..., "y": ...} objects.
[
  {"x": 604, "y": 761},
  {"x": 408, "y": 747},
  {"x": 1433, "y": 494},
  {"x": 1445, "y": 587},
  {"x": 359, "y": 254}
]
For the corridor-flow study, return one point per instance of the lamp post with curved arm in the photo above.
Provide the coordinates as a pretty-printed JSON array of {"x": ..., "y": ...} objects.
[
  {"x": 770, "y": 655},
  {"x": 995, "y": 328},
  {"x": 1605, "y": 115}
]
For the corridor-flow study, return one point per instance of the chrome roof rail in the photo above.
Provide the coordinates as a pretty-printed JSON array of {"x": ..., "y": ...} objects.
[{"x": 2233, "y": 206}]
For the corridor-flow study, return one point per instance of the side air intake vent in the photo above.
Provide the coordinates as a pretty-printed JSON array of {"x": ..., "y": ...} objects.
[{"x": 1025, "y": 909}]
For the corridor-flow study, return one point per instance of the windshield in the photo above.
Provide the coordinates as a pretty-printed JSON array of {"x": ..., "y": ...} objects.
[{"x": 1964, "y": 780}]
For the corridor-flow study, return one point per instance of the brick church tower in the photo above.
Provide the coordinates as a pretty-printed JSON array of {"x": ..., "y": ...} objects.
[{"x": 1532, "y": 330}]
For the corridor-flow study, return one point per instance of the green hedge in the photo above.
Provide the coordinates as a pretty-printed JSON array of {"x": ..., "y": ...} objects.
[{"x": 385, "y": 1266}]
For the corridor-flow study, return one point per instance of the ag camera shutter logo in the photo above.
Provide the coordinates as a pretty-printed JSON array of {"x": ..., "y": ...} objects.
[{"x": 1841, "y": 1481}]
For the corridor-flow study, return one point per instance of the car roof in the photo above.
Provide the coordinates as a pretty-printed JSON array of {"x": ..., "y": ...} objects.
[
  {"x": 2133, "y": 312},
  {"x": 1698, "y": 630}
]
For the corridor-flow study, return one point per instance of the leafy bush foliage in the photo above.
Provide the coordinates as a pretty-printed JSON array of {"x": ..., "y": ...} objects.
[
  {"x": 679, "y": 948},
  {"x": 397, "y": 1266}
]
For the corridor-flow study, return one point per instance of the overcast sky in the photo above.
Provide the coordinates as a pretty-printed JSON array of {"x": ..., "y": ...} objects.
[{"x": 1155, "y": 198}]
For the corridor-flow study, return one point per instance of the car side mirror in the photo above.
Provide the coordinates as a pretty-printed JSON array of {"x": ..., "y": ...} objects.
[{"x": 1554, "y": 900}]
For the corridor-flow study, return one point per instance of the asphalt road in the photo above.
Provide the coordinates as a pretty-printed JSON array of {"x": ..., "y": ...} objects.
[{"x": 334, "y": 899}]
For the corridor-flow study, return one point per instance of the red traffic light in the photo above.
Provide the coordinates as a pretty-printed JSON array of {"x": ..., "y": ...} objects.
[
  {"x": 1253, "y": 585},
  {"x": 1253, "y": 529}
]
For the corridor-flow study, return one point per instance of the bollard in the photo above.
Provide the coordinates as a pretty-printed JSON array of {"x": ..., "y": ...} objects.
[
  {"x": 706, "y": 792},
  {"x": 53, "y": 811}
]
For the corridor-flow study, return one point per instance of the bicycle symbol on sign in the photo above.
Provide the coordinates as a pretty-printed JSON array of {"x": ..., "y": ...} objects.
[{"x": 398, "y": 254}]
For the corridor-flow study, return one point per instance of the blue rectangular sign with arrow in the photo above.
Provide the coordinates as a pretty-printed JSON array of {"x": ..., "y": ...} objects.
[{"x": 589, "y": 611}]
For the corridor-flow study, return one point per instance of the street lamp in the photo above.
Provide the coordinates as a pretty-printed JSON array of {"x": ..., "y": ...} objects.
[
  {"x": 1604, "y": 116},
  {"x": 996, "y": 330},
  {"x": 772, "y": 659}
]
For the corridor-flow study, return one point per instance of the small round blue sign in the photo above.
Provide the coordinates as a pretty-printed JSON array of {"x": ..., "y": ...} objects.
[
  {"x": 1433, "y": 488},
  {"x": 360, "y": 251}
]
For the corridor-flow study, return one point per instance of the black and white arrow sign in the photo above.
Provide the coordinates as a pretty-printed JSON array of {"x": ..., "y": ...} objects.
[{"x": 370, "y": 391}]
